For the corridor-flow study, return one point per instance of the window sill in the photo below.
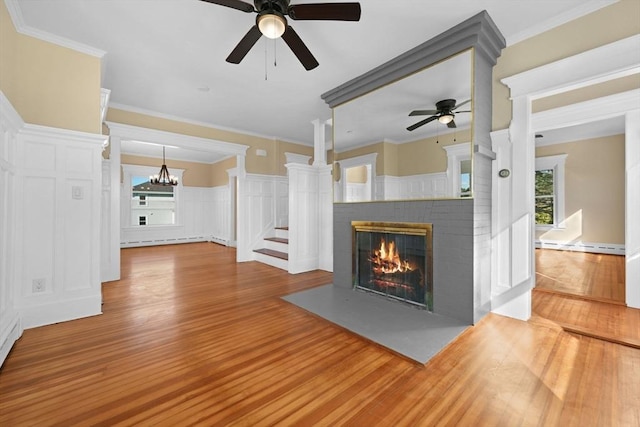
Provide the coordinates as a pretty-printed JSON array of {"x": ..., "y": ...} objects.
[{"x": 550, "y": 228}]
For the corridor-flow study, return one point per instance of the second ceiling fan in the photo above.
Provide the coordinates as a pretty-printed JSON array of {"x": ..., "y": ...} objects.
[
  {"x": 272, "y": 23},
  {"x": 444, "y": 113}
]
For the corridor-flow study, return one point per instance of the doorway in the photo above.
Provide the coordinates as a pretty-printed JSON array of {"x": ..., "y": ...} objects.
[{"x": 580, "y": 210}]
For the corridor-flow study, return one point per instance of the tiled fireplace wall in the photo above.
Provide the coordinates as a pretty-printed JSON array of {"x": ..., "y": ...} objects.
[{"x": 452, "y": 246}]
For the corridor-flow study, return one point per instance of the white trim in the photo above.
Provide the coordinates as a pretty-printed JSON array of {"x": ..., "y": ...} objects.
[
  {"x": 595, "y": 248},
  {"x": 176, "y": 139},
  {"x": 455, "y": 155},
  {"x": 105, "y": 94},
  {"x": 608, "y": 62},
  {"x": 593, "y": 110},
  {"x": 18, "y": 22},
  {"x": 587, "y": 7},
  {"x": 64, "y": 134},
  {"x": 297, "y": 158},
  {"x": 368, "y": 160}
]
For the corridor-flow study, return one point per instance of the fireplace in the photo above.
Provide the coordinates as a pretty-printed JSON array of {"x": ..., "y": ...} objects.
[{"x": 394, "y": 260}]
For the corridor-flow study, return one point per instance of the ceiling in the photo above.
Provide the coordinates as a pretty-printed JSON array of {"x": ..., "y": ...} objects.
[{"x": 167, "y": 57}]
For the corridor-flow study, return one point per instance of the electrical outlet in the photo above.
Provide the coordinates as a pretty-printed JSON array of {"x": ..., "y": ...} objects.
[{"x": 38, "y": 285}]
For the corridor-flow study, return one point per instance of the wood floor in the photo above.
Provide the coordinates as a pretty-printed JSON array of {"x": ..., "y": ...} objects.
[
  {"x": 599, "y": 277},
  {"x": 188, "y": 337}
]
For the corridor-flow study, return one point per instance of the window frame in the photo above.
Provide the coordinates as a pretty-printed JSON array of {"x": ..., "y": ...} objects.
[
  {"x": 557, "y": 164},
  {"x": 129, "y": 171}
]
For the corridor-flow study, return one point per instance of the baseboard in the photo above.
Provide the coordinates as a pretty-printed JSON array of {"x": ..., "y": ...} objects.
[
  {"x": 221, "y": 241},
  {"x": 56, "y": 312},
  {"x": 158, "y": 242},
  {"x": 596, "y": 248},
  {"x": 10, "y": 336}
]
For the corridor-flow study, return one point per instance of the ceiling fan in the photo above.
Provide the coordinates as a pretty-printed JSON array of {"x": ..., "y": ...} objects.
[
  {"x": 272, "y": 23},
  {"x": 444, "y": 113}
]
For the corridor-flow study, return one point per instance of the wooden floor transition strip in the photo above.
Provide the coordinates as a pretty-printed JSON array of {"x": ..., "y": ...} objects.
[{"x": 626, "y": 341}]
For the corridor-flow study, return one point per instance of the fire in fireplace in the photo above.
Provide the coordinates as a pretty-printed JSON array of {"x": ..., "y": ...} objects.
[{"x": 395, "y": 260}]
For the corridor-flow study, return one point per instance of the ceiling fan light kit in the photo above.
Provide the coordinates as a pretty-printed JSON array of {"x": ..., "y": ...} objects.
[
  {"x": 272, "y": 23},
  {"x": 444, "y": 113},
  {"x": 445, "y": 118}
]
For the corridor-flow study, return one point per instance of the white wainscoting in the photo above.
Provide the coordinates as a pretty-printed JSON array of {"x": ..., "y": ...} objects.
[
  {"x": 311, "y": 223},
  {"x": 262, "y": 203},
  {"x": 203, "y": 216},
  {"x": 57, "y": 225},
  {"x": 10, "y": 322},
  {"x": 423, "y": 186}
]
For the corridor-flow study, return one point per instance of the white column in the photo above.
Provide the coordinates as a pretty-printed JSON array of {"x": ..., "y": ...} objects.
[
  {"x": 111, "y": 215},
  {"x": 319, "y": 143}
]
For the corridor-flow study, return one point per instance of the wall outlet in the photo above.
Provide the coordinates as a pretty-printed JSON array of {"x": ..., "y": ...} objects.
[{"x": 38, "y": 285}]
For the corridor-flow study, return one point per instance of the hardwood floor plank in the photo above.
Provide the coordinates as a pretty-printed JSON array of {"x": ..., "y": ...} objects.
[
  {"x": 597, "y": 276},
  {"x": 189, "y": 337}
]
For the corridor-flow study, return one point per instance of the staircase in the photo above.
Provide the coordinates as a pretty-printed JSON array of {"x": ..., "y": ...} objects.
[{"x": 276, "y": 249}]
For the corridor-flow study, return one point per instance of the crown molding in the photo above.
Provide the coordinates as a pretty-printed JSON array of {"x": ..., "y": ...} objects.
[{"x": 18, "y": 22}]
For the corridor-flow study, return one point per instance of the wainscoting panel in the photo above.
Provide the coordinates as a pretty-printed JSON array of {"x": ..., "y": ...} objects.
[
  {"x": 425, "y": 186},
  {"x": 58, "y": 215}
]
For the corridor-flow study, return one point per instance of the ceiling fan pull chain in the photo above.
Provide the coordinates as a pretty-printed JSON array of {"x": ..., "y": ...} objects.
[
  {"x": 275, "y": 54},
  {"x": 265, "y": 61}
]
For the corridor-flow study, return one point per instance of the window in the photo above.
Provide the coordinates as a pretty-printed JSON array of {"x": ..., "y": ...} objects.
[
  {"x": 549, "y": 191},
  {"x": 465, "y": 178},
  {"x": 145, "y": 204},
  {"x": 545, "y": 197},
  {"x": 155, "y": 203}
]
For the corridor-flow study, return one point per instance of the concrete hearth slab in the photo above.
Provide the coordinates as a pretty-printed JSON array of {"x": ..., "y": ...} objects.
[{"x": 413, "y": 333}]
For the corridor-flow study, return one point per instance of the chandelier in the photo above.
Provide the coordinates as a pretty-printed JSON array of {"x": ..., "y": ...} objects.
[{"x": 163, "y": 178}]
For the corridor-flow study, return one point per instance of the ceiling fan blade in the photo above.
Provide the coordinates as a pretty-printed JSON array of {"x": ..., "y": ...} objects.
[
  {"x": 298, "y": 47},
  {"x": 234, "y": 4},
  {"x": 245, "y": 45},
  {"x": 461, "y": 104},
  {"x": 466, "y": 111},
  {"x": 421, "y": 123},
  {"x": 325, "y": 11},
  {"x": 423, "y": 112},
  {"x": 451, "y": 124}
]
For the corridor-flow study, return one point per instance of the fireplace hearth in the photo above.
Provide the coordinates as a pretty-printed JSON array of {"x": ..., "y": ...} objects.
[{"x": 394, "y": 260}]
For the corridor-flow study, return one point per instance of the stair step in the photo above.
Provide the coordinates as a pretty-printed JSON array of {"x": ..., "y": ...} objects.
[
  {"x": 283, "y": 228},
  {"x": 278, "y": 240},
  {"x": 271, "y": 252}
]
